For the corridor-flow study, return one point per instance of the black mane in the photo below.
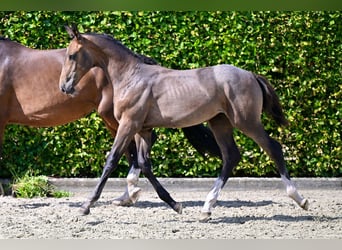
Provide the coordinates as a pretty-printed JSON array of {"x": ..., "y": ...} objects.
[{"x": 143, "y": 58}]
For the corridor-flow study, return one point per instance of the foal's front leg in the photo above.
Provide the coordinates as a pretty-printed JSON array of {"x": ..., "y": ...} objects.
[{"x": 123, "y": 138}]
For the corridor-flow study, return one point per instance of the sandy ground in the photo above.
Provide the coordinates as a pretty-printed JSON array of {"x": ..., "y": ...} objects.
[{"x": 261, "y": 214}]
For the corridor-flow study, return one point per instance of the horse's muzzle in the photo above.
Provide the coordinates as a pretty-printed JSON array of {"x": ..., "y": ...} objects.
[{"x": 67, "y": 90}]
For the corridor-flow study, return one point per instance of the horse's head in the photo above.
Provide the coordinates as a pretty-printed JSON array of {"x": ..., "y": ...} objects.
[{"x": 78, "y": 60}]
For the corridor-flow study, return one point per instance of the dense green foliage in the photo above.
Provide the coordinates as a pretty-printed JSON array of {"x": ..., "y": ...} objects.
[
  {"x": 299, "y": 52},
  {"x": 36, "y": 186}
]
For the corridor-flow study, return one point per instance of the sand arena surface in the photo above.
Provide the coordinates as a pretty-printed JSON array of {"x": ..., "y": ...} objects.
[{"x": 239, "y": 214}]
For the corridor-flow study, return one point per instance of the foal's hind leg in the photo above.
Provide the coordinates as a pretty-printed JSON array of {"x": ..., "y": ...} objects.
[
  {"x": 223, "y": 133},
  {"x": 143, "y": 141},
  {"x": 274, "y": 150}
]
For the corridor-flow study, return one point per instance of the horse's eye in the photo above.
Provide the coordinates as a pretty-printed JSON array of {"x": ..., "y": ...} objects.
[{"x": 72, "y": 57}]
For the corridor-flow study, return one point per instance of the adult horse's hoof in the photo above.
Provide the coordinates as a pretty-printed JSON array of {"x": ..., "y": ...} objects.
[
  {"x": 304, "y": 204},
  {"x": 205, "y": 217},
  {"x": 178, "y": 207}
]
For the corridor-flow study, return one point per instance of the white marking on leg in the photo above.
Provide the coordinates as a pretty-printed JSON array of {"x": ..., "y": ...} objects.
[
  {"x": 131, "y": 194},
  {"x": 132, "y": 182},
  {"x": 133, "y": 176},
  {"x": 123, "y": 199},
  {"x": 212, "y": 196},
  {"x": 292, "y": 192}
]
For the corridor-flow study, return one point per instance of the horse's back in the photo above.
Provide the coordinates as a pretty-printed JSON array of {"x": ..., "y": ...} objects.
[
  {"x": 10, "y": 51},
  {"x": 232, "y": 74}
]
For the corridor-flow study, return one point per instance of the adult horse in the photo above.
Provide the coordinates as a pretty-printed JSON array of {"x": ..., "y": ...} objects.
[
  {"x": 29, "y": 95},
  {"x": 147, "y": 96}
]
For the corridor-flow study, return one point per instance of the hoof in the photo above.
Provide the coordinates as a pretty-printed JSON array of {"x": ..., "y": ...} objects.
[
  {"x": 135, "y": 194},
  {"x": 304, "y": 204},
  {"x": 178, "y": 207},
  {"x": 85, "y": 210},
  {"x": 205, "y": 217},
  {"x": 125, "y": 201}
]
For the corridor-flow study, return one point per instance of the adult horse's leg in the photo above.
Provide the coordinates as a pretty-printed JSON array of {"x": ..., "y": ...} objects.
[
  {"x": 274, "y": 150},
  {"x": 1, "y": 146},
  {"x": 223, "y": 132},
  {"x": 143, "y": 141},
  {"x": 2, "y": 131}
]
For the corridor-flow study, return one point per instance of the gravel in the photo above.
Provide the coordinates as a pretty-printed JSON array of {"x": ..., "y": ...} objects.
[{"x": 262, "y": 213}]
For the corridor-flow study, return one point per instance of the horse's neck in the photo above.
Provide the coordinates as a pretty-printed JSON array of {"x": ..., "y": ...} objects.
[
  {"x": 121, "y": 67},
  {"x": 118, "y": 63}
]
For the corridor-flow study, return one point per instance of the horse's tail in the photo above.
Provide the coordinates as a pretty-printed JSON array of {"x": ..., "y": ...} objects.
[
  {"x": 271, "y": 103},
  {"x": 202, "y": 139}
]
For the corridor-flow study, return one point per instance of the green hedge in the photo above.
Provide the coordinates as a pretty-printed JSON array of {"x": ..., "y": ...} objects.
[{"x": 299, "y": 52}]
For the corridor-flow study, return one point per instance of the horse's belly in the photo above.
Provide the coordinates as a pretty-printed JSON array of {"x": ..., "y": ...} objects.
[
  {"x": 49, "y": 116},
  {"x": 176, "y": 116},
  {"x": 43, "y": 119}
]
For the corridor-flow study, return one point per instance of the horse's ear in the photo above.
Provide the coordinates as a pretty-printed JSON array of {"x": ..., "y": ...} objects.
[
  {"x": 73, "y": 31},
  {"x": 69, "y": 31}
]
